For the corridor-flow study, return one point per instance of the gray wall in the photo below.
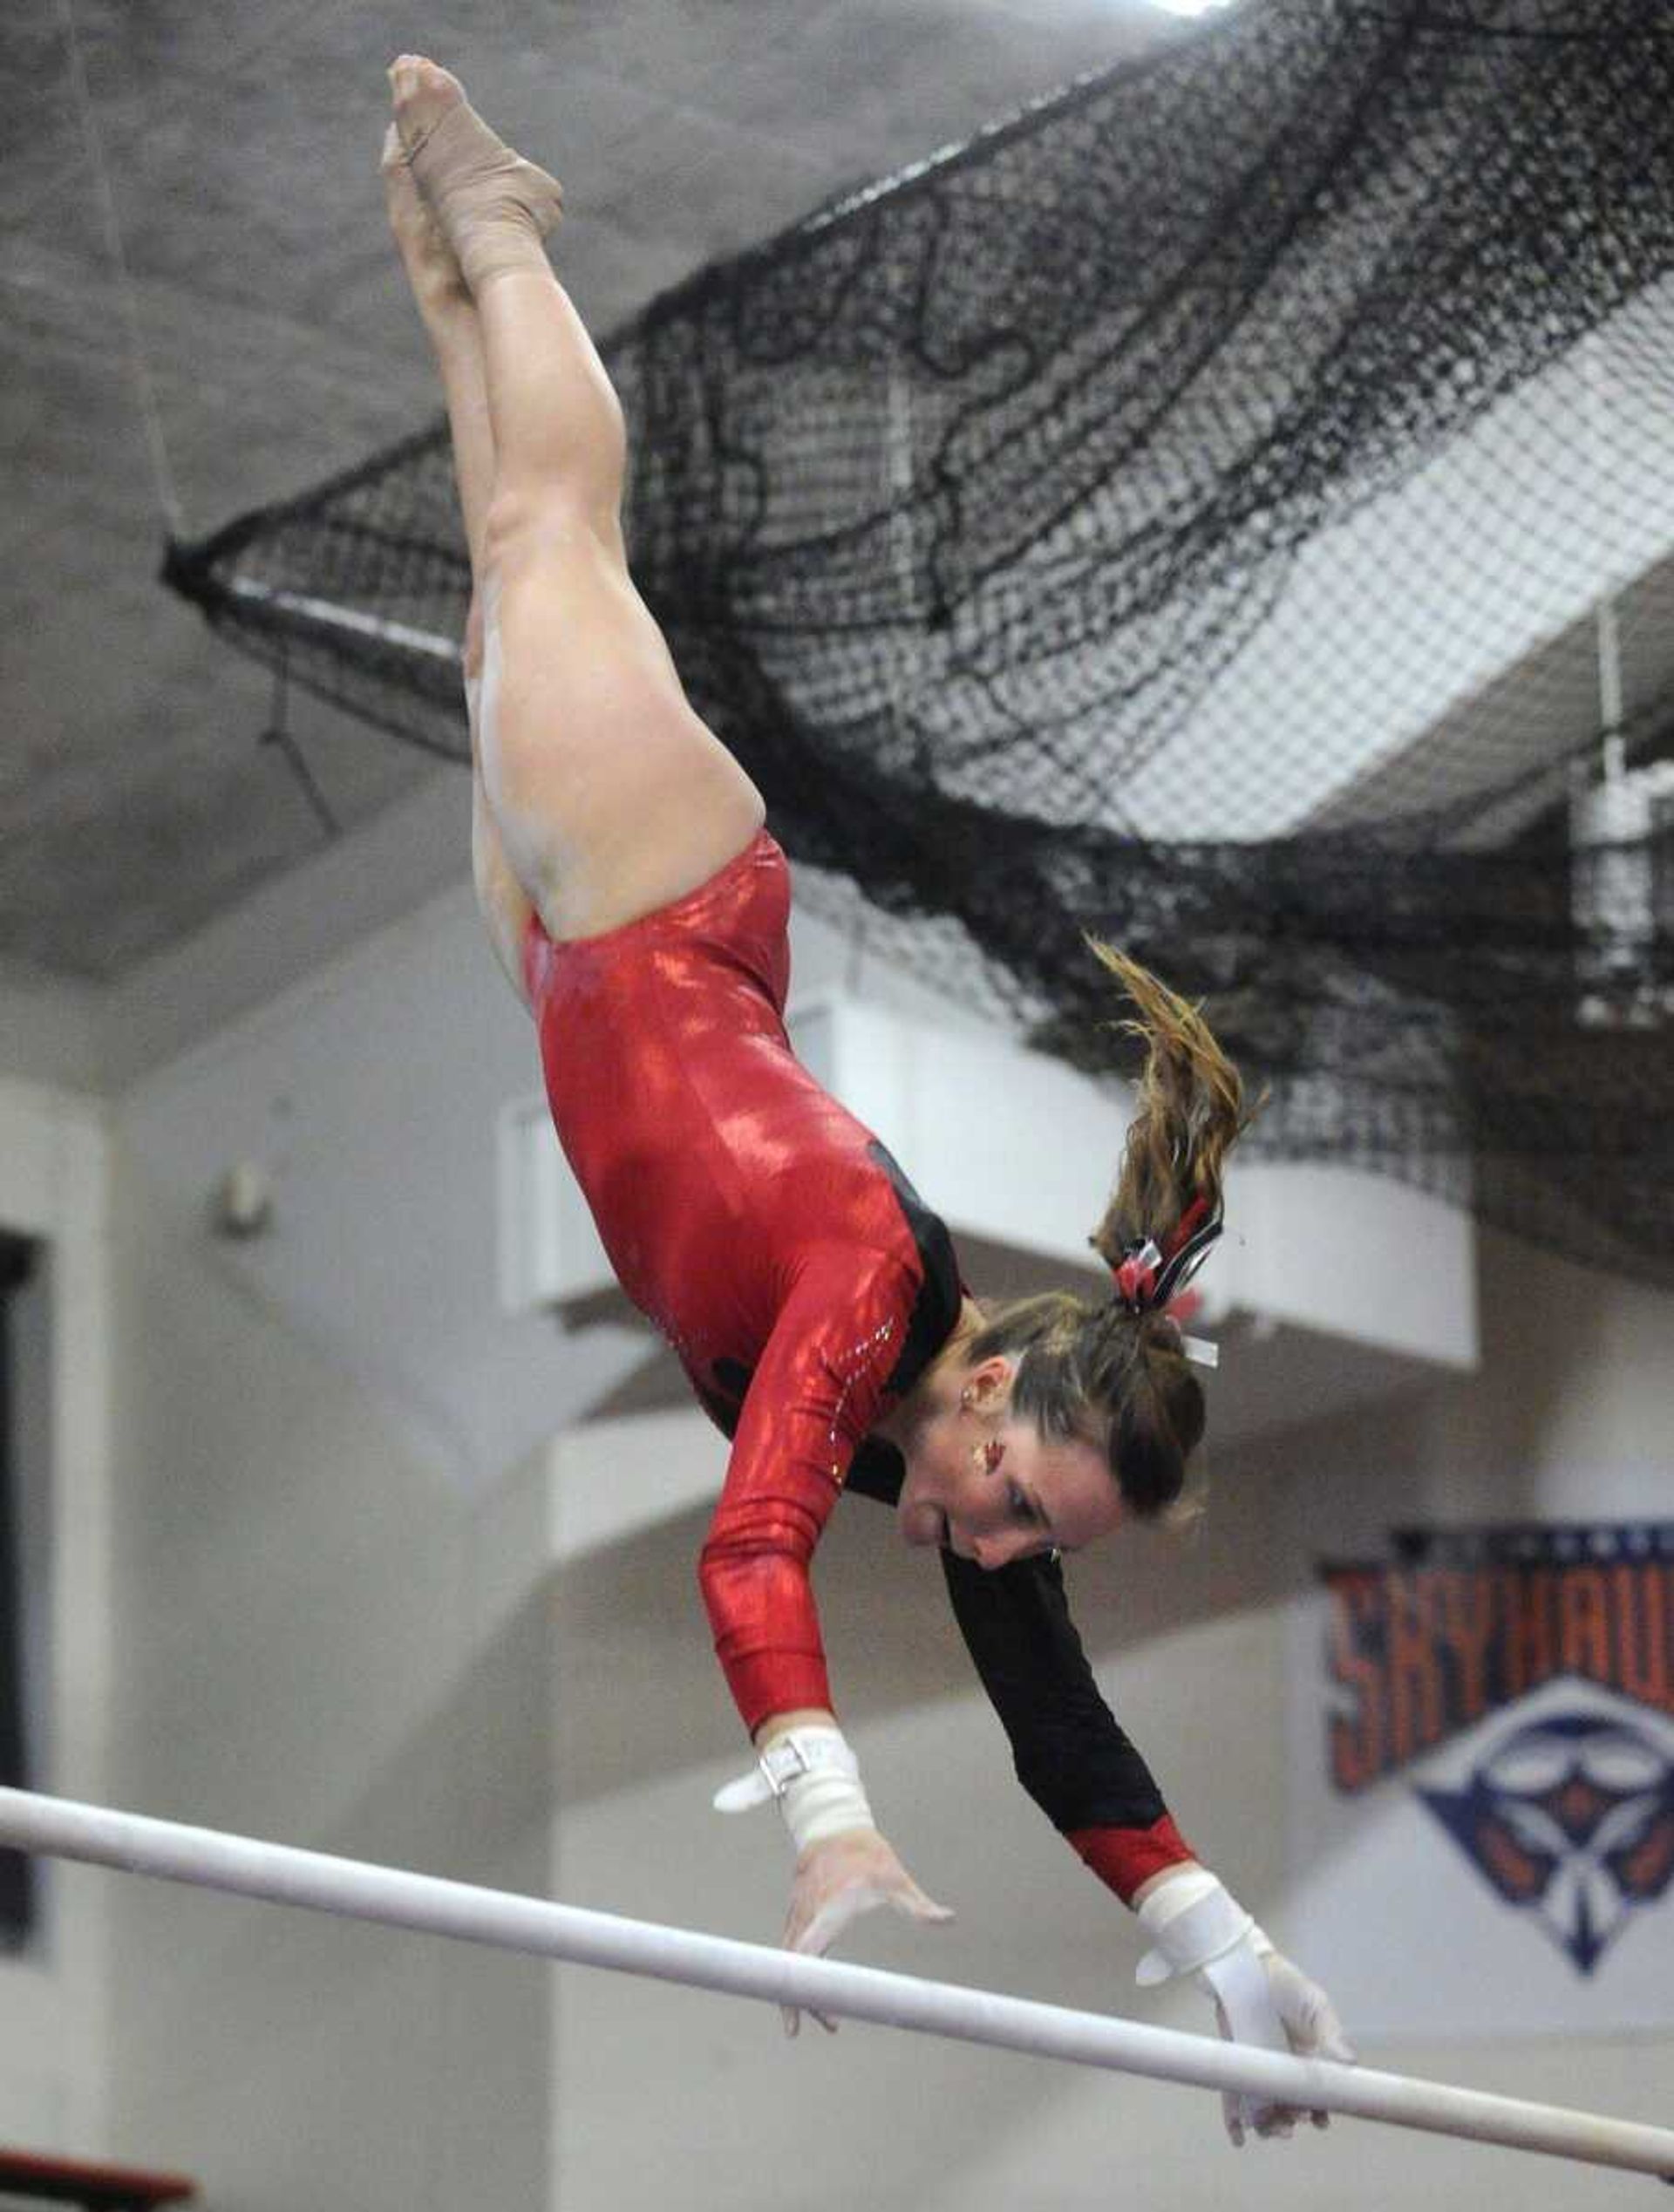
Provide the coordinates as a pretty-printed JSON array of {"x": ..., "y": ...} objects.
[
  {"x": 319, "y": 1647},
  {"x": 1190, "y": 1644},
  {"x": 277, "y": 1610},
  {"x": 54, "y": 1996}
]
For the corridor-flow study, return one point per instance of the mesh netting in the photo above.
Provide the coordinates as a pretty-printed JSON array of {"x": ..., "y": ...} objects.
[{"x": 1228, "y": 507}]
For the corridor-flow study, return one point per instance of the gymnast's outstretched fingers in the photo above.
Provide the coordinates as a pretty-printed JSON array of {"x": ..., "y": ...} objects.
[
  {"x": 1198, "y": 1930},
  {"x": 1311, "y": 2030},
  {"x": 835, "y": 1882}
]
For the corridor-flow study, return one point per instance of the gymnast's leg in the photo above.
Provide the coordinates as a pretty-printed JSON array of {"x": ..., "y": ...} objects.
[
  {"x": 610, "y": 795},
  {"x": 450, "y": 317}
]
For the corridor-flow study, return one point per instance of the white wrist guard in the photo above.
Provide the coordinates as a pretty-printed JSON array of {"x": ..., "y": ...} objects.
[
  {"x": 1197, "y": 1927},
  {"x": 816, "y": 1779}
]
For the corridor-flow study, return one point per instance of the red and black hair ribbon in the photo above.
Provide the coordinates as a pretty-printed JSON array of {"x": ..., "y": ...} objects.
[{"x": 1150, "y": 1276}]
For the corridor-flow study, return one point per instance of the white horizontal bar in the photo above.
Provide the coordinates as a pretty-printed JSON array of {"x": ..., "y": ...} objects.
[{"x": 275, "y": 1872}]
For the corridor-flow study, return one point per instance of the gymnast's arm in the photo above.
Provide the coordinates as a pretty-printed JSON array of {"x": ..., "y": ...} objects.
[
  {"x": 1093, "y": 1784},
  {"x": 817, "y": 1389},
  {"x": 1069, "y": 1752}
]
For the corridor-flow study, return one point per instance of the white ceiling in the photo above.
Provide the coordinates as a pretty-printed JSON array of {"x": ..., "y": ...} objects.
[{"x": 240, "y": 144}]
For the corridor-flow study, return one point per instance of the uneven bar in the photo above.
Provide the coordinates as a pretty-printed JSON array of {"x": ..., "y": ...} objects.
[{"x": 279, "y": 1874}]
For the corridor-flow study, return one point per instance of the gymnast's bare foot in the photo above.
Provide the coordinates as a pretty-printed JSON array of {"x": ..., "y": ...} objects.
[
  {"x": 493, "y": 208},
  {"x": 437, "y": 281}
]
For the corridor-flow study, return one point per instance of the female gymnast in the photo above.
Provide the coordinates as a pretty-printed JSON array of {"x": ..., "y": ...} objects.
[{"x": 639, "y": 907}]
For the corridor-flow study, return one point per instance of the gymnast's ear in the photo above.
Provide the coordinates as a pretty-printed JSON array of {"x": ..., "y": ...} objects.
[{"x": 986, "y": 1388}]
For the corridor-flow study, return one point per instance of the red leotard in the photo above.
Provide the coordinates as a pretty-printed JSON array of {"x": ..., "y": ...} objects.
[
  {"x": 762, "y": 1229},
  {"x": 804, "y": 1288}
]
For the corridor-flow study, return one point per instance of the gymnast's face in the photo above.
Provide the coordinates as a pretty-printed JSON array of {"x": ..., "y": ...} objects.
[{"x": 991, "y": 1487}]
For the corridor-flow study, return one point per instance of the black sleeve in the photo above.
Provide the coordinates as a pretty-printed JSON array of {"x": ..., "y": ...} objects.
[{"x": 1070, "y": 1754}]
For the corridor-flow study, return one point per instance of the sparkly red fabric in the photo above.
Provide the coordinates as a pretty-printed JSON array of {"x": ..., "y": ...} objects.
[
  {"x": 756, "y": 1222},
  {"x": 804, "y": 1287}
]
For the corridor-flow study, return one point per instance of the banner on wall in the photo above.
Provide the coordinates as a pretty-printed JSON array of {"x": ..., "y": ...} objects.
[{"x": 1482, "y": 1781}]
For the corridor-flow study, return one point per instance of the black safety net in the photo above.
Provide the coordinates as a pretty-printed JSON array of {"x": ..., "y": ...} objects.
[{"x": 1228, "y": 507}]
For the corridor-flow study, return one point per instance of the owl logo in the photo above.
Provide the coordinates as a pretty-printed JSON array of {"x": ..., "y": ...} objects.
[{"x": 1570, "y": 1818}]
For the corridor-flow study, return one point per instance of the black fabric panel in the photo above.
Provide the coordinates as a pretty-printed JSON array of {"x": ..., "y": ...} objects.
[
  {"x": 877, "y": 1471},
  {"x": 1070, "y": 1753},
  {"x": 935, "y": 1309}
]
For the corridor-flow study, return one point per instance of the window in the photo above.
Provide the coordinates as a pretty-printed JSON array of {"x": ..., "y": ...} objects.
[{"x": 18, "y": 1259}]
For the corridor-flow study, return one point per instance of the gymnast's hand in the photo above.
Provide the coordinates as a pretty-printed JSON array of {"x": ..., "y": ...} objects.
[
  {"x": 836, "y": 1882},
  {"x": 1312, "y": 2030},
  {"x": 1197, "y": 1930}
]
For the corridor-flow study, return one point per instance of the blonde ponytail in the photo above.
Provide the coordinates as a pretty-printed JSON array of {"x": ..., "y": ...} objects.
[
  {"x": 1113, "y": 1372},
  {"x": 1191, "y": 1111}
]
